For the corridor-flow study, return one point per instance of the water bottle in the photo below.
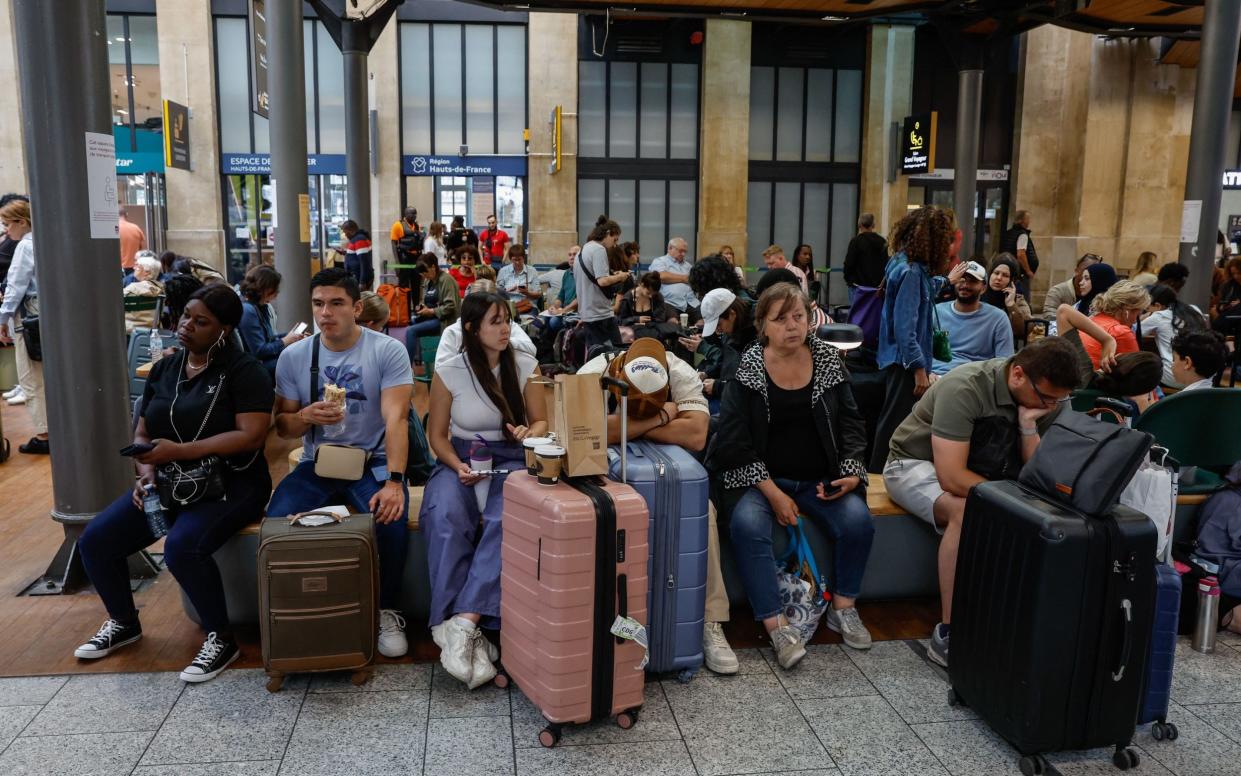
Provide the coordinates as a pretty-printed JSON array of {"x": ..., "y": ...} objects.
[
  {"x": 154, "y": 512},
  {"x": 1208, "y": 615},
  {"x": 156, "y": 346}
]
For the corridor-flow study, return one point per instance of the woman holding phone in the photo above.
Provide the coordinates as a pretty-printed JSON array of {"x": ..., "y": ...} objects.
[
  {"x": 259, "y": 288},
  {"x": 791, "y": 440}
]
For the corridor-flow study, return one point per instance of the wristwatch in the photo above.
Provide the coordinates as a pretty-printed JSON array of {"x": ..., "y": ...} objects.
[
  {"x": 397, "y": 477},
  {"x": 1026, "y": 432}
]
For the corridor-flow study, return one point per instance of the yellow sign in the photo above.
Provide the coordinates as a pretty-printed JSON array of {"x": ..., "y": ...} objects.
[
  {"x": 303, "y": 213},
  {"x": 554, "y": 166},
  {"x": 176, "y": 135}
]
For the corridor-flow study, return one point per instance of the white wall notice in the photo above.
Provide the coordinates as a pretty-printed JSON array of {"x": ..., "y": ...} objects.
[
  {"x": 1191, "y": 216},
  {"x": 101, "y": 186}
]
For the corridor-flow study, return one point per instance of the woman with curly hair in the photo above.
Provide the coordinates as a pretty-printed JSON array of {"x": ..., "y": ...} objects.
[{"x": 921, "y": 243}]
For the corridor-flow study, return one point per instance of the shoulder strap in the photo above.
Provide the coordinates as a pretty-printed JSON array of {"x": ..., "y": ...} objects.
[{"x": 314, "y": 379}]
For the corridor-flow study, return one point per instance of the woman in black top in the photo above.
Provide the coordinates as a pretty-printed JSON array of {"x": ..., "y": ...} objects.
[
  {"x": 207, "y": 399},
  {"x": 791, "y": 440},
  {"x": 644, "y": 308}
]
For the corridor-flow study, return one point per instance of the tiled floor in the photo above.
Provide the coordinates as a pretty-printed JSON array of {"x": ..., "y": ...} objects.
[{"x": 840, "y": 713}]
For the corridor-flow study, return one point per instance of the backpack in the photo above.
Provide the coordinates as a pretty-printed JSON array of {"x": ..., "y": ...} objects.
[
  {"x": 398, "y": 303},
  {"x": 420, "y": 462},
  {"x": 570, "y": 347},
  {"x": 411, "y": 241},
  {"x": 204, "y": 272}
]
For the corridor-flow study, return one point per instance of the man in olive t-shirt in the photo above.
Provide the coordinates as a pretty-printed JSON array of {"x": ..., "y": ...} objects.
[{"x": 927, "y": 471}]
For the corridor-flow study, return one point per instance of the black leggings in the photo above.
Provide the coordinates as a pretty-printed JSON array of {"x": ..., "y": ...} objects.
[{"x": 898, "y": 402}]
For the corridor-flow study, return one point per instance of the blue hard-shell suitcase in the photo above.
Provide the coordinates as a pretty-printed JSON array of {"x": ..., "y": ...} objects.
[
  {"x": 675, "y": 487},
  {"x": 1162, "y": 654}
]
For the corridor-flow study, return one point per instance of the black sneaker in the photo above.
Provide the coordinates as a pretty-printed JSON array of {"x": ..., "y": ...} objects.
[
  {"x": 35, "y": 446},
  {"x": 213, "y": 658},
  {"x": 111, "y": 637}
]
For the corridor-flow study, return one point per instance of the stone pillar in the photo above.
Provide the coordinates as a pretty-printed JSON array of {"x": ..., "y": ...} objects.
[
  {"x": 552, "y": 43},
  {"x": 889, "y": 92},
  {"x": 12, "y": 162},
  {"x": 386, "y": 183},
  {"x": 187, "y": 76},
  {"x": 724, "y": 144}
]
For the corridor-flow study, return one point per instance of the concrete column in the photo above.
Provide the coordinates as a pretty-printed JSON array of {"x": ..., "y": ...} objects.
[
  {"x": 552, "y": 43},
  {"x": 187, "y": 76},
  {"x": 724, "y": 144},
  {"x": 965, "y": 184},
  {"x": 889, "y": 91},
  {"x": 386, "y": 183},
  {"x": 357, "y": 137},
  {"x": 12, "y": 163}
]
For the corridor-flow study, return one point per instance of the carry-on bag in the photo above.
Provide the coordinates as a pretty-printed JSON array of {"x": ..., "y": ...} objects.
[
  {"x": 318, "y": 595},
  {"x": 675, "y": 487},
  {"x": 1162, "y": 655},
  {"x": 1051, "y": 622},
  {"x": 573, "y": 593}
]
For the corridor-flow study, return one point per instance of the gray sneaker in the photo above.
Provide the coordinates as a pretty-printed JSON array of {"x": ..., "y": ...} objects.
[
  {"x": 786, "y": 641},
  {"x": 849, "y": 625},
  {"x": 716, "y": 653},
  {"x": 938, "y": 651}
]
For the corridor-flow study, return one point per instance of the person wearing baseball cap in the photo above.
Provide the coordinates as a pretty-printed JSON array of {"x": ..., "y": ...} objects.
[
  {"x": 728, "y": 329},
  {"x": 667, "y": 405},
  {"x": 976, "y": 331}
]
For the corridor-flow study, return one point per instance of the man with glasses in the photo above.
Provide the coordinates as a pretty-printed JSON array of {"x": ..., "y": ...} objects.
[
  {"x": 930, "y": 470},
  {"x": 673, "y": 269}
]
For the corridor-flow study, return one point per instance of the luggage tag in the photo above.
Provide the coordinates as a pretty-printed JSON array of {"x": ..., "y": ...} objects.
[{"x": 631, "y": 629}]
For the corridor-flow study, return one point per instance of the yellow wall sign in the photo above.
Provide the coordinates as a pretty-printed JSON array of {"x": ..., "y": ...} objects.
[
  {"x": 918, "y": 144},
  {"x": 303, "y": 216},
  {"x": 176, "y": 135},
  {"x": 554, "y": 166}
]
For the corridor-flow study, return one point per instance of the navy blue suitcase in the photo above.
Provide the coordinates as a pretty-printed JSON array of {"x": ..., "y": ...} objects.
[
  {"x": 675, "y": 487},
  {"x": 1162, "y": 655}
]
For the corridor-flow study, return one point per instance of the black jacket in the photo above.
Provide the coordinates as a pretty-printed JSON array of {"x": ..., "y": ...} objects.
[{"x": 735, "y": 453}]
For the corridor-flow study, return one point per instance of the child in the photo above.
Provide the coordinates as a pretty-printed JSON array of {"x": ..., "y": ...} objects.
[{"x": 1197, "y": 356}]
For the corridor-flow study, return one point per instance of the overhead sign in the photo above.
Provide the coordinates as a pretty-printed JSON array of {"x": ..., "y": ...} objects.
[
  {"x": 1232, "y": 179},
  {"x": 260, "y": 164},
  {"x": 463, "y": 165},
  {"x": 176, "y": 135},
  {"x": 139, "y": 162},
  {"x": 918, "y": 144},
  {"x": 948, "y": 173},
  {"x": 258, "y": 53}
]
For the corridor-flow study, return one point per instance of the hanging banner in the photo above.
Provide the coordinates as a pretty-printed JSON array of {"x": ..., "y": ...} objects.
[
  {"x": 918, "y": 144},
  {"x": 258, "y": 53},
  {"x": 176, "y": 135}
]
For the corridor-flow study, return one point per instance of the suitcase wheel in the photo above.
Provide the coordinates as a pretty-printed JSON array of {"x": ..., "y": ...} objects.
[
  {"x": 1125, "y": 758},
  {"x": 360, "y": 677},
  {"x": 274, "y": 683},
  {"x": 549, "y": 736},
  {"x": 687, "y": 674},
  {"x": 4, "y": 454},
  {"x": 955, "y": 699},
  {"x": 627, "y": 719},
  {"x": 1161, "y": 731},
  {"x": 502, "y": 680},
  {"x": 1033, "y": 765}
]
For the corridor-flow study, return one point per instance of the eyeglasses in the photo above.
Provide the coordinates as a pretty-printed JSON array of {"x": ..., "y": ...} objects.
[{"x": 1045, "y": 399}]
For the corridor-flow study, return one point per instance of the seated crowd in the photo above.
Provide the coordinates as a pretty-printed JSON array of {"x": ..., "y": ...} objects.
[{"x": 752, "y": 391}]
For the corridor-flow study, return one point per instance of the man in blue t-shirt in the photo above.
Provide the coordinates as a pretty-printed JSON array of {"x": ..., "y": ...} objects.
[
  {"x": 371, "y": 372},
  {"x": 976, "y": 331}
]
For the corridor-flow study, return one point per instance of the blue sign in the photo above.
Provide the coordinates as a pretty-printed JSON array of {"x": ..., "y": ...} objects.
[
  {"x": 260, "y": 164},
  {"x": 139, "y": 162},
  {"x": 464, "y": 165}
]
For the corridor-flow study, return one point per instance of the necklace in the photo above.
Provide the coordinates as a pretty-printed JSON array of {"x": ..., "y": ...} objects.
[{"x": 192, "y": 368}]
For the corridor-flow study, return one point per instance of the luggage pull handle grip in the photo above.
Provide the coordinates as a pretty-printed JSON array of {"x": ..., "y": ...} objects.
[
  {"x": 1126, "y": 610},
  {"x": 295, "y": 519}
]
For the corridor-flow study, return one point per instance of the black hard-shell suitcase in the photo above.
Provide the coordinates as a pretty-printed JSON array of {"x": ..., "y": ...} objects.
[{"x": 1051, "y": 622}]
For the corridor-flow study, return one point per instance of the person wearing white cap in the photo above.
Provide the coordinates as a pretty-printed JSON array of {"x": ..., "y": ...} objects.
[
  {"x": 976, "y": 331},
  {"x": 727, "y": 330}
]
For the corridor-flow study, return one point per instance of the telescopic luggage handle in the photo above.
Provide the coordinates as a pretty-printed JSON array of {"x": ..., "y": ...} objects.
[{"x": 606, "y": 382}]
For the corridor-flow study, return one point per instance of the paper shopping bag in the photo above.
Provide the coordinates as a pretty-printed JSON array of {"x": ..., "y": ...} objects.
[{"x": 576, "y": 417}]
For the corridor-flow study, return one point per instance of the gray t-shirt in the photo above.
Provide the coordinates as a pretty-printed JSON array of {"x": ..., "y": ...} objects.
[
  {"x": 375, "y": 363},
  {"x": 592, "y": 303}
]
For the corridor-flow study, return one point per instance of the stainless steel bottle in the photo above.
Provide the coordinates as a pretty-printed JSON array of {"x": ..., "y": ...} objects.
[{"x": 1208, "y": 615}]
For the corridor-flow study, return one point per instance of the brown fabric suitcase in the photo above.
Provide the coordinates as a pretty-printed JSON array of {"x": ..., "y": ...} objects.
[{"x": 318, "y": 596}]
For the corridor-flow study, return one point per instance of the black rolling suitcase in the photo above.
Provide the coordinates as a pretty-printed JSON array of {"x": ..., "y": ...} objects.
[{"x": 1052, "y": 616}]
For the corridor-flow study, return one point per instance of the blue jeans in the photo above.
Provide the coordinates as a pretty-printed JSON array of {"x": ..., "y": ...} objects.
[
  {"x": 362, "y": 271},
  {"x": 303, "y": 490},
  {"x": 847, "y": 521},
  {"x": 463, "y": 545},
  {"x": 424, "y": 327},
  {"x": 194, "y": 534}
]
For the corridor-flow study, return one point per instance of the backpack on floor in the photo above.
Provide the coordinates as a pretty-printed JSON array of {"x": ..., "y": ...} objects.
[{"x": 398, "y": 303}]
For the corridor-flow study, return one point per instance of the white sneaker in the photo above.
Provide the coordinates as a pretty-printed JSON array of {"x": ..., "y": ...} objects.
[
  {"x": 484, "y": 655},
  {"x": 716, "y": 652},
  {"x": 17, "y": 400},
  {"x": 456, "y": 642},
  {"x": 786, "y": 641},
  {"x": 392, "y": 641},
  {"x": 849, "y": 625},
  {"x": 10, "y": 393}
]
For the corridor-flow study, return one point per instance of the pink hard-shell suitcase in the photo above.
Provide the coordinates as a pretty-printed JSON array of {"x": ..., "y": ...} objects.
[{"x": 574, "y": 557}]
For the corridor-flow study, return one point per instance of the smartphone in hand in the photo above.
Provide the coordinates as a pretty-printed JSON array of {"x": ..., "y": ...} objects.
[
  {"x": 138, "y": 448},
  {"x": 300, "y": 328}
]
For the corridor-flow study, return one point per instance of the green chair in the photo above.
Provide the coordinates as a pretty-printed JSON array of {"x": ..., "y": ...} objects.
[
  {"x": 1082, "y": 400},
  {"x": 428, "y": 346},
  {"x": 1200, "y": 428},
  {"x": 138, "y": 304}
]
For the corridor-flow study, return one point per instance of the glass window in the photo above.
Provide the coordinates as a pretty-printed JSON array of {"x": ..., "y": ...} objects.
[
  {"x": 511, "y": 204},
  {"x": 480, "y": 77},
  {"x": 331, "y": 94},
  {"x": 814, "y": 221},
  {"x": 758, "y": 221},
  {"x": 819, "y": 116},
  {"x": 448, "y": 85},
  {"x": 589, "y": 205},
  {"x": 787, "y": 216},
  {"x": 144, "y": 57},
  {"x": 591, "y": 112},
  {"x": 844, "y": 217},
  {"x": 762, "y": 112},
  {"x": 684, "y": 112},
  {"x": 623, "y": 110},
  {"x": 415, "y": 89},
  {"x": 511, "y": 83},
  {"x": 233, "y": 82},
  {"x": 848, "y": 115},
  {"x": 621, "y": 200},
  {"x": 654, "y": 111},
  {"x": 682, "y": 213},
  {"x": 789, "y": 118},
  {"x": 117, "y": 84},
  {"x": 651, "y": 226},
  {"x": 262, "y": 138}
]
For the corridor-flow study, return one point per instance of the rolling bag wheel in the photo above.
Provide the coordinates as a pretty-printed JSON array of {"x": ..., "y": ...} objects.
[
  {"x": 955, "y": 699},
  {"x": 4, "y": 453},
  {"x": 549, "y": 736},
  {"x": 502, "y": 679},
  {"x": 627, "y": 719},
  {"x": 687, "y": 674},
  {"x": 1033, "y": 765},
  {"x": 1170, "y": 731},
  {"x": 360, "y": 677},
  {"x": 1125, "y": 758},
  {"x": 275, "y": 682}
]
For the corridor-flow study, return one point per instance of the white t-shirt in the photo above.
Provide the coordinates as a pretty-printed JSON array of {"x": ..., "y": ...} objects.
[
  {"x": 432, "y": 245},
  {"x": 1023, "y": 242},
  {"x": 473, "y": 412},
  {"x": 450, "y": 343},
  {"x": 685, "y": 388},
  {"x": 1159, "y": 323}
]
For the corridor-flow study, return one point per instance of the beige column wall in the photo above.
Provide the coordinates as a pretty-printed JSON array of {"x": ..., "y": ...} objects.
[
  {"x": 187, "y": 76},
  {"x": 1101, "y": 146},
  {"x": 12, "y": 158},
  {"x": 552, "y": 80},
  {"x": 384, "y": 87},
  {"x": 724, "y": 143},
  {"x": 888, "y": 95}
]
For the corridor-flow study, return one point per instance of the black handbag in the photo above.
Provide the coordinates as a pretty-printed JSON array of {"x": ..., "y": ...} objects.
[
  {"x": 32, "y": 338},
  {"x": 181, "y": 483},
  {"x": 995, "y": 452}
]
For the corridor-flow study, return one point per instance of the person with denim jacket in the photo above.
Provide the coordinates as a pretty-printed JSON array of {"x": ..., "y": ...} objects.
[{"x": 921, "y": 242}]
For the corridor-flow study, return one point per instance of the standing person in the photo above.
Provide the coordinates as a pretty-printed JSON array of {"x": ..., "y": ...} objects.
[
  {"x": 480, "y": 394},
  {"x": 673, "y": 269},
  {"x": 791, "y": 440},
  {"x": 7, "y": 244},
  {"x": 374, "y": 370},
  {"x": 407, "y": 244},
  {"x": 774, "y": 258},
  {"x": 1017, "y": 241},
  {"x": 358, "y": 253},
  {"x": 437, "y": 309},
  {"x": 21, "y": 300},
  {"x": 259, "y": 288},
  {"x": 866, "y": 256},
  {"x": 434, "y": 243},
  {"x": 1144, "y": 272},
  {"x": 209, "y": 399},
  {"x": 921, "y": 240},
  {"x": 132, "y": 240},
  {"x": 466, "y": 259},
  {"x": 594, "y": 281},
  {"x": 726, "y": 251},
  {"x": 494, "y": 242},
  {"x": 459, "y": 234}
]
